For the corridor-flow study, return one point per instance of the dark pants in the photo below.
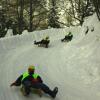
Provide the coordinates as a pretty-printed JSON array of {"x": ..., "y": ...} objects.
[{"x": 27, "y": 86}]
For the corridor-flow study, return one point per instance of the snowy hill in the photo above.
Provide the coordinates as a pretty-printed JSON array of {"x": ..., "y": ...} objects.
[{"x": 74, "y": 67}]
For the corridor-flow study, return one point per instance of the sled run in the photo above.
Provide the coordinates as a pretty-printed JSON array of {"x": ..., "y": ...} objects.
[{"x": 74, "y": 66}]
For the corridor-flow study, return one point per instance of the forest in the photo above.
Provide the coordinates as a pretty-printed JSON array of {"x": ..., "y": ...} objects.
[{"x": 32, "y": 15}]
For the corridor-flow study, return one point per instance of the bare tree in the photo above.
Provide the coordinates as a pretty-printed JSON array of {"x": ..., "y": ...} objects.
[{"x": 81, "y": 9}]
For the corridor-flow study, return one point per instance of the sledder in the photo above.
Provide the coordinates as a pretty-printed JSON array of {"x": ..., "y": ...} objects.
[
  {"x": 67, "y": 38},
  {"x": 30, "y": 80},
  {"x": 44, "y": 42}
]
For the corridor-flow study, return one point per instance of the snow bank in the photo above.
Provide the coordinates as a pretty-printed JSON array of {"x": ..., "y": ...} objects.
[
  {"x": 84, "y": 52},
  {"x": 28, "y": 38},
  {"x": 9, "y": 33}
]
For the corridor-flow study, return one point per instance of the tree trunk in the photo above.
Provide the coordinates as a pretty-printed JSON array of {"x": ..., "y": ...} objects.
[
  {"x": 31, "y": 18},
  {"x": 20, "y": 18}
]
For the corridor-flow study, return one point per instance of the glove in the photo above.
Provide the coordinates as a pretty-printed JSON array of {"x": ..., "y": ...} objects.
[{"x": 13, "y": 84}]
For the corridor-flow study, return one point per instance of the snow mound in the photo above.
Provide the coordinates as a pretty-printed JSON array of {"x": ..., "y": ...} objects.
[{"x": 74, "y": 66}]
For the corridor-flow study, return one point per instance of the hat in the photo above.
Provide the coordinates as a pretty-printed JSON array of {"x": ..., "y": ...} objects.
[{"x": 31, "y": 67}]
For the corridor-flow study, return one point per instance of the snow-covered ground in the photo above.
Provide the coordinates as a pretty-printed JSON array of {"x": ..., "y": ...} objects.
[{"x": 74, "y": 67}]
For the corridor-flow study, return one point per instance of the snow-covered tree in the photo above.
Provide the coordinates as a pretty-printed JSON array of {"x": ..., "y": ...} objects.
[{"x": 97, "y": 7}]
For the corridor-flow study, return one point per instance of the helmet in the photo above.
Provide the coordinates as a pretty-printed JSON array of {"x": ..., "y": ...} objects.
[
  {"x": 69, "y": 33},
  {"x": 47, "y": 37},
  {"x": 31, "y": 68}
]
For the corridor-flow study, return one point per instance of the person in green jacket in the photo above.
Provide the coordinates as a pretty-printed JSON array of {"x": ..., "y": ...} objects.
[{"x": 30, "y": 80}]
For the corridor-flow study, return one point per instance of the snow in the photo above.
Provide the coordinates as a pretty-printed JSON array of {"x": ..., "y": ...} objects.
[
  {"x": 74, "y": 66},
  {"x": 9, "y": 33}
]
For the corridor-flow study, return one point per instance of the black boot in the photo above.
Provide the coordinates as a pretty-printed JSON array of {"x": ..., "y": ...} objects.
[{"x": 54, "y": 92}]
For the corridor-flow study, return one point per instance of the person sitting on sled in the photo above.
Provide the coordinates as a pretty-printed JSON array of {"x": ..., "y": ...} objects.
[
  {"x": 43, "y": 42},
  {"x": 45, "y": 39},
  {"x": 32, "y": 80},
  {"x": 67, "y": 37}
]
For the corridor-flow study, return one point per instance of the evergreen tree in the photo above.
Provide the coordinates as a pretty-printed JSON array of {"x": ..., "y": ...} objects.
[{"x": 52, "y": 16}]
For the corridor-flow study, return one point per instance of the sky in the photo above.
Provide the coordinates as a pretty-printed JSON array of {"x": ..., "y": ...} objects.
[{"x": 74, "y": 67}]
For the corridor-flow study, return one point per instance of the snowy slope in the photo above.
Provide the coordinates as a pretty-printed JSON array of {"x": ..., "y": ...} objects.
[{"x": 73, "y": 67}]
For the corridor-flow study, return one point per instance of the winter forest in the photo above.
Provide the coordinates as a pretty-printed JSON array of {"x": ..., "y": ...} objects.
[{"x": 43, "y": 14}]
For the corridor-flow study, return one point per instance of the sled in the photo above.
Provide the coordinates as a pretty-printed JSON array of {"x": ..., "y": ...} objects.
[
  {"x": 39, "y": 92},
  {"x": 42, "y": 43}
]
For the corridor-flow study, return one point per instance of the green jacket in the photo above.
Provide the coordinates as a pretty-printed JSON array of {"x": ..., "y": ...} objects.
[{"x": 26, "y": 74}]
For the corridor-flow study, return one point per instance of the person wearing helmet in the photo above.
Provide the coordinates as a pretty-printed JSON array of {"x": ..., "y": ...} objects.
[
  {"x": 44, "y": 42},
  {"x": 46, "y": 38},
  {"x": 30, "y": 79},
  {"x": 67, "y": 37}
]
